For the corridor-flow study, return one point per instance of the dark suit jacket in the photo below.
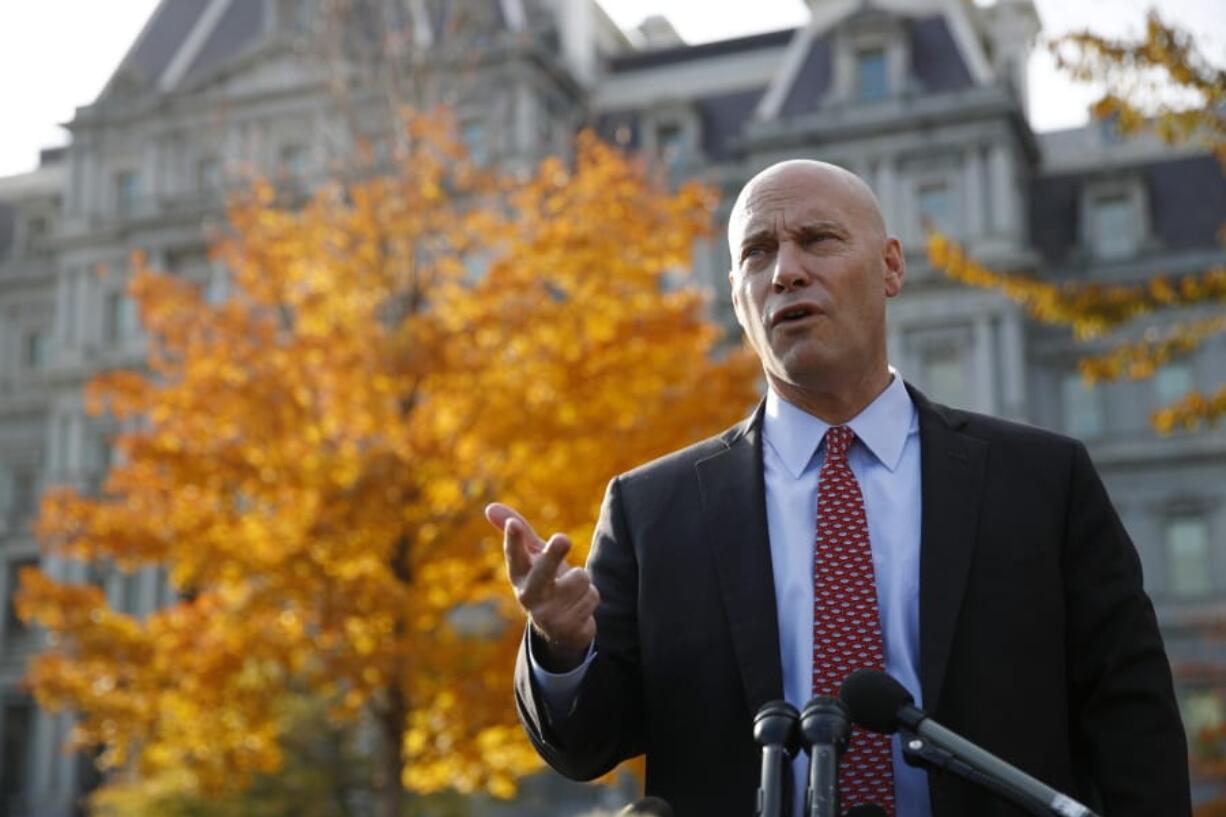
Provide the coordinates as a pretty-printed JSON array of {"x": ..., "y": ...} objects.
[{"x": 1036, "y": 639}]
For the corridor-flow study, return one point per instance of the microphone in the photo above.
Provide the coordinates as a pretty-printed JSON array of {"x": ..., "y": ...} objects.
[
  {"x": 824, "y": 726},
  {"x": 647, "y": 807},
  {"x": 881, "y": 704},
  {"x": 775, "y": 730},
  {"x": 866, "y": 810}
]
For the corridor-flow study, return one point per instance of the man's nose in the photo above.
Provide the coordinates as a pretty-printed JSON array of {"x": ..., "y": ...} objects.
[{"x": 790, "y": 270}]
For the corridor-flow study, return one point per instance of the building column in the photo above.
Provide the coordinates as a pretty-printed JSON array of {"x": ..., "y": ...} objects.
[
  {"x": 1004, "y": 192},
  {"x": 1013, "y": 370},
  {"x": 973, "y": 196},
  {"x": 984, "y": 390},
  {"x": 63, "y": 321},
  {"x": 886, "y": 184}
]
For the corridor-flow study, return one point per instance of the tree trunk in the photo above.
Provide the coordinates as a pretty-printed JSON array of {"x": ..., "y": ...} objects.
[{"x": 391, "y": 755}]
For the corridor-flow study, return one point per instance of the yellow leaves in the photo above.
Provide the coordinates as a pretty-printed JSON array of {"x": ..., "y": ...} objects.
[
  {"x": 1192, "y": 412},
  {"x": 1090, "y": 309}
]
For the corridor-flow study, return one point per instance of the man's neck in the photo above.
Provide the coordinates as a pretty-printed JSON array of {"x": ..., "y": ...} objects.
[{"x": 834, "y": 406}]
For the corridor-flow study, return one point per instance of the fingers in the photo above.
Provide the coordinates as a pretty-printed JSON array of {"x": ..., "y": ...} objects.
[
  {"x": 567, "y": 618},
  {"x": 498, "y": 515},
  {"x": 519, "y": 541},
  {"x": 560, "y": 599},
  {"x": 545, "y": 569}
]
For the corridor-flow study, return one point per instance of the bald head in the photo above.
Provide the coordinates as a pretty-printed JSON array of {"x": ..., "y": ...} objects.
[{"x": 821, "y": 180}]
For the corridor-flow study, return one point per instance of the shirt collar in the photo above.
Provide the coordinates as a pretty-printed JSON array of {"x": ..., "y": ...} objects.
[{"x": 882, "y": 427}]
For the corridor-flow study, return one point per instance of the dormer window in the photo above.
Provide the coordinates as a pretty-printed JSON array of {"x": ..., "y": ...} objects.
[
  {"x": 1115, "y": 223},
  {"x": 672, "y": 134},
  {"x": 872, "y": 75},
  {"x": 1113, "y": 229},
  {"x": 670, "y": 141}
]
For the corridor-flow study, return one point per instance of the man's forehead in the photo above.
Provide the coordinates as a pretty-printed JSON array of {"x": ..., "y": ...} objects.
[{"x": 794, "y": 192}]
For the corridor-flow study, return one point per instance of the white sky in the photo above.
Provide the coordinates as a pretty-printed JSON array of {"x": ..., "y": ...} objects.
[{"x": 57, "y": 54}]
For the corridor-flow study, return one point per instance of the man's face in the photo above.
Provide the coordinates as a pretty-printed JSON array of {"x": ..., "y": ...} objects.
[{"x": 811, "y": 269}]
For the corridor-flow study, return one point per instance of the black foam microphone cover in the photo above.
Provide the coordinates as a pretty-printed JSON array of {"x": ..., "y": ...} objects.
[
  {"x": 776, "y": 724},
  {"x": 647, "y": 807},
  {"x": 874, "y": 698}
]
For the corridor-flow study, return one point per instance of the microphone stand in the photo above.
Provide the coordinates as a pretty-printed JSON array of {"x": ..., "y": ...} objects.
[{"x": 922, "y": 754}]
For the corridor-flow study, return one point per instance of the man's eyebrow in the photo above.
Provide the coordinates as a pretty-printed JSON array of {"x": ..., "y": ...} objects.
[
  {"x": 757, "y": 237},
  {"x": 816, "y": 226}
]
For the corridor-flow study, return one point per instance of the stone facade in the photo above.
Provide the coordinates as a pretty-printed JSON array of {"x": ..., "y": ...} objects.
[{"x": 926, "y": 99}]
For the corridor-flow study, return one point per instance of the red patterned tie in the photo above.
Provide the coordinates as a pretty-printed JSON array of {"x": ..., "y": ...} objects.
[{"x": 846, "y": 621}]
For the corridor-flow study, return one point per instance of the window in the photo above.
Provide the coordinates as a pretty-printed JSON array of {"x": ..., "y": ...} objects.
[
  {"x": 934, "y": 203},
  {"x": 121, "y": 321},
  {"x": 1082, "y": 409},
  {"x": 126, "y": 188},
  {"x": 1171, "y": 382},
  {"x": 34, "y": 351},
  {"x": 208, "y": 175},
  {"x": 1113, "y": 227},
  {"x": 1187, "y": 556},
  {"x": 294, "y": 161},
  {"x": 14, "y": 626},
  {"x": 872, "y": 80},
  {"x": 18, "y": 730},
  {"x": 944, "y": 368},
  {"x": 23, "y": 495},
  {"x": 476, "y": 140},
  {"x": 36, "y": 234},
  {"x": 670, "y": 142}
]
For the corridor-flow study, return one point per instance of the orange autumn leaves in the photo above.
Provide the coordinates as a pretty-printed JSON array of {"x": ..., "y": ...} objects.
[{"x": 309, "y": 459}]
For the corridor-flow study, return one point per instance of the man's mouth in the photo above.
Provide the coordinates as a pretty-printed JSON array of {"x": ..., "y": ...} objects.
[{"x": 792, "y": 314}]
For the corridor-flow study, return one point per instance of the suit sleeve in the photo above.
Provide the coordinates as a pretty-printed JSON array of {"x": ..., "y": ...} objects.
[
  {"x": 1126, "y": 723},
  {"x": 604, "y": 724}
]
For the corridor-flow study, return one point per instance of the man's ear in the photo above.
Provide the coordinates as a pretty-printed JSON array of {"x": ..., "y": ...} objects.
[
  {"x": 895, "y": 267},
  {"x": 736, "y": 302}
]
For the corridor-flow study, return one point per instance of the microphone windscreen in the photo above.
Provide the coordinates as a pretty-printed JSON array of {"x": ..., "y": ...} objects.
[
  {"x": 866, "y": 810},
  {"x": 647, "y": 807},
  {"x": 874, "y": 698}
]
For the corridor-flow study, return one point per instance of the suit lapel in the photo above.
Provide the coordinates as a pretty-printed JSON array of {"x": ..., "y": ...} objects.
[
  {"x": 951, "y": 484},
  {"x": 734, "y": 509}
]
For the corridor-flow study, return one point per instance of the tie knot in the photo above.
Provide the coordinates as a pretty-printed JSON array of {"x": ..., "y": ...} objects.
[{"x": 838, "y": 438}]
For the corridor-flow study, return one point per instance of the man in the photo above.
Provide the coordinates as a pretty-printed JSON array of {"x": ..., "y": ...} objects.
[{"x": 849, "y": 522}]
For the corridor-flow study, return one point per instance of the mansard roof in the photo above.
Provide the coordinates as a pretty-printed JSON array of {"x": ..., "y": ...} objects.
[
  {"x": 1185, "y": 198},
  {"x": 186, "y": 40},
  {"x": 689, "y": 53}
]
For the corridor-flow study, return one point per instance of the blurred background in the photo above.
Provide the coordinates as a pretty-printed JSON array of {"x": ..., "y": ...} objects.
[{"x": 128, "y": 126}]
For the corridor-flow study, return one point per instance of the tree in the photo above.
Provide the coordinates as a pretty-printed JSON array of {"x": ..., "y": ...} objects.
[
  {"x": 310, "y": 459},
  {"x": 1161, "y": 84}
]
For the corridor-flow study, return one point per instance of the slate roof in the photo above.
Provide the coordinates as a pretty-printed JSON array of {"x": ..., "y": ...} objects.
[
  {"x": 240, "y": 24},
  {"x": 936, "y": 60},
  {"x": 811, "y": 82},
  {"x": 688, "y": 53},
  {"x": 243, "y": 22},
  {"x": 936, "y": 65},
  {"x": 723, "y": 118},
  {"x": 169, "y": 26},
  {"x": 1186, "y": 199}
]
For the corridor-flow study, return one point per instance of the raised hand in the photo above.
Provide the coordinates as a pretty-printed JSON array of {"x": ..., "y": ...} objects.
[{"x": 560, "y": 600}]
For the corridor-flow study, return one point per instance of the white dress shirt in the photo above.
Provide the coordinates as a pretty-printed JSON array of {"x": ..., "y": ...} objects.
[{"x": 885, "y": 459}]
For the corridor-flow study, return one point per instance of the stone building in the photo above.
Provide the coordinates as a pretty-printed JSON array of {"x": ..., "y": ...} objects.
[{"x": 926, "y": 99}]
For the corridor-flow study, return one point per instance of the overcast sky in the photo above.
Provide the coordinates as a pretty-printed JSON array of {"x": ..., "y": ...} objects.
[{"x": 57, "y": 54}]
